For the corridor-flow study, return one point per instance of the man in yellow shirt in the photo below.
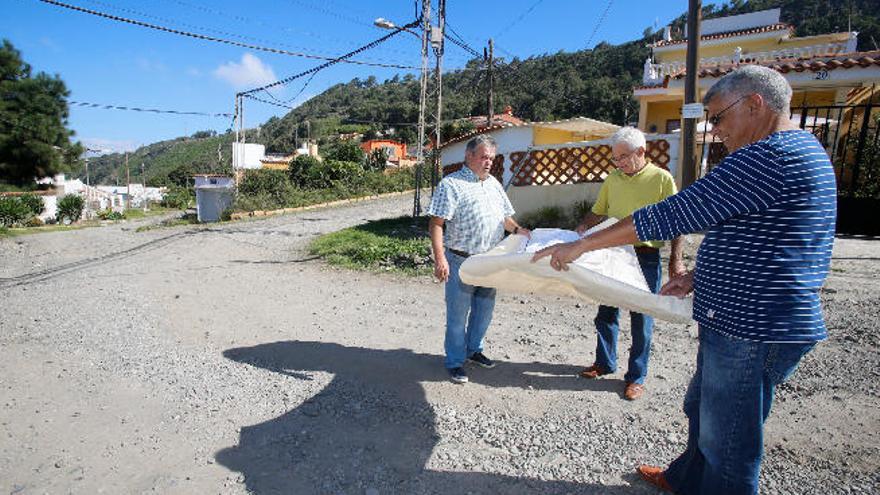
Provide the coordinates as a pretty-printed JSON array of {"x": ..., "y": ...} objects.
[{"x": 635, "y": 183}]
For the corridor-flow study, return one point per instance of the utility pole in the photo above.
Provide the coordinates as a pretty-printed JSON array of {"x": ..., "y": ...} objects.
[
  {"x": 127, "y": 183},
  {"x": 237, "y": 110},
  {"x": 689, "y": 132},
  {"x": 423, "y": 98},
  {"x": 437, "y": 42},
  {"x": 490, "y": 102},
  {"x": 237, "y": 148},
  {"x": 144, "y": 181}
]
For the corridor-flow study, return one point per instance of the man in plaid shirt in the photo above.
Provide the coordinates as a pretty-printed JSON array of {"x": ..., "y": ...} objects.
[{"x": 476, "y": 212}]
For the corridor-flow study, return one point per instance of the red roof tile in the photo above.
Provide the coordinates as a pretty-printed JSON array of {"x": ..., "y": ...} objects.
[{"x": 832, "y": 62}]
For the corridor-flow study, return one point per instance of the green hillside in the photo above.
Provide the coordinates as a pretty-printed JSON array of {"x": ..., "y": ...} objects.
[{"x": 594, "y": 83}]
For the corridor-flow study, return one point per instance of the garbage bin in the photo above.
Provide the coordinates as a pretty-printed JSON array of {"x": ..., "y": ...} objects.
[{"x": 214, "y": 195}]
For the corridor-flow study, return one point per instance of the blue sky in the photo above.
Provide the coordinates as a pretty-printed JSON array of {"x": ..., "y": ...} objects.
[{"x": 113, "y": 63}]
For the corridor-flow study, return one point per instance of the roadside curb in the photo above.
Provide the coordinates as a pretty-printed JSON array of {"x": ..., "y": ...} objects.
[{"x": 358, "y": 199}]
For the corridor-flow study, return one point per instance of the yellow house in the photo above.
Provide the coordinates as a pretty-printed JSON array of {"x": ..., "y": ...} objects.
[{"x": 823, "y": 70}]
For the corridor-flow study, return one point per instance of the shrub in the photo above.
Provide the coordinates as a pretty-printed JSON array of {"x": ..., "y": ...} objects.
[
  {"x": 345, "y": 151},
  {"x": 13, "y": 211},
  {"x": 377, "y": 159},
  {"x": 33, "y": 202},
  {"x": 109, "y": 214},
  {"x": 300, "y": 167},
  {"x": 179, "y": 198},
  {"x": 34, "y": 221},
  {"x": 70, "y": 208},
  {"x": 548, "y": 217},
  {"x": 331, "y": 172},
  {"x": 580, "y": 210},
  {"x": 268, "y": 182}
]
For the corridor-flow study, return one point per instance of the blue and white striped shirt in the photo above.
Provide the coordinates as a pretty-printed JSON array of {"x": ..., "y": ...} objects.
[
  {"x": 770, "y": 210},
  {"x": 474, "y": 211}
]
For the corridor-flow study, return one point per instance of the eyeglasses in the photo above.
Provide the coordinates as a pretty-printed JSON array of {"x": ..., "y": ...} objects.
[
  {"x": 622, "y": 157},
  {"x": 715, "y": 119}
]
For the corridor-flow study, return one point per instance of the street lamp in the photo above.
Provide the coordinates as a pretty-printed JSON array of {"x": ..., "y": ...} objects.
[{"x": 384, "y": 23}]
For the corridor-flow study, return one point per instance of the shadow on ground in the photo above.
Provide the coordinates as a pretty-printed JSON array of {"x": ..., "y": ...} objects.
[{"x": 372, "y": 426}]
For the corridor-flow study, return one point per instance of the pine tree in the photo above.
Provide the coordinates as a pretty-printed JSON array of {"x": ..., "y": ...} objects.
[{"x": 34, "y": 139}]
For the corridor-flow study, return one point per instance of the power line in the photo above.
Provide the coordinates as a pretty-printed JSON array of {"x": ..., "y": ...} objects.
[
  {"x": 341, "y": 58},
  {"x": 464, "y": 46},
  {"x": 599, "y": 23},
  {"x": 516, "y": 21},
  {"x": 215, "y": 39},
  {"x": 277, "y": 104},
  {"x": 150, "y": 110},
  {"x": 196, "y": 27},
  {"x": 331, "y": 13},
  {"x": 458, "y": 40},
  {"x": 276, "y": 27}
]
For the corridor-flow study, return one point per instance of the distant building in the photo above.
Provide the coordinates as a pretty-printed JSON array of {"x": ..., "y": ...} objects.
[
  {"x": 276, "y": 161},
  {"x": 503, "y": 119},
  {"x": 394, "y": 150}
]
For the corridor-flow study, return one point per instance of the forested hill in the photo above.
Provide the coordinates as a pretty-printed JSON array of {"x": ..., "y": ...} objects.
[{"x": 595, "y": 83}]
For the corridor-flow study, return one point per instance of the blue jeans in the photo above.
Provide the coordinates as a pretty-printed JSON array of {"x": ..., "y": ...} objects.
[
  {"x": 642, "y": 327},
  {"x": 468, "y": 315},
  {"x": 726, "y": 403}
]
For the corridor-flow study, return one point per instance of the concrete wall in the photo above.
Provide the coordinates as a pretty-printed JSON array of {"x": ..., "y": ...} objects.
[
  {"x": 529, "y": 199},
  {"x": 247, "y": 156}
]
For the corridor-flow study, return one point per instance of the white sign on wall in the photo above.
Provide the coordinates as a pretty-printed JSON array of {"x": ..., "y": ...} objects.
[{"x": 692, "y": 110}]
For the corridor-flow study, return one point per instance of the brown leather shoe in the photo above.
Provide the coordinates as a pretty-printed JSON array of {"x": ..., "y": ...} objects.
[
  {"x": 654, "y": 476},
  {"x": 633, "y": 390},
  {"x": 594, "y": 371}
]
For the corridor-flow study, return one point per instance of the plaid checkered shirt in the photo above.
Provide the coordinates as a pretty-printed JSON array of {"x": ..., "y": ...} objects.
[{"x": 474, "y": 211}]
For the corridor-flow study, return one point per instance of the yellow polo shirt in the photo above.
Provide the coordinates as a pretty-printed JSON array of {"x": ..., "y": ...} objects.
[{"x": 621, "y": 194}]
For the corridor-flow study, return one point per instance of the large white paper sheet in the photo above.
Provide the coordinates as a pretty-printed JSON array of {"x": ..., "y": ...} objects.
[{"x": 608, "y": 276}]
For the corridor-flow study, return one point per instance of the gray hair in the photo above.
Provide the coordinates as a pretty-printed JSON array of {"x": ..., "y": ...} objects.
[
  {"x": 768, "y": 83},
  {"x": 481, "y": 140},
  {"x": 630, "y": 136}
]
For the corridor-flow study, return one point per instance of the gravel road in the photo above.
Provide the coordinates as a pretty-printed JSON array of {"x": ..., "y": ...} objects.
[{"x": 225, "y": 359}]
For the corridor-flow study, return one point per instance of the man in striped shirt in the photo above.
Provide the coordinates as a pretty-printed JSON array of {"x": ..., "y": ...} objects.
[
  {"x": 769, "y": 211},
  {"x": 476, "y": 212}
]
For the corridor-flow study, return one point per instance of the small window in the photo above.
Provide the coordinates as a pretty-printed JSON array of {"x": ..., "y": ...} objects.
[{"x": 672, "y": 125}]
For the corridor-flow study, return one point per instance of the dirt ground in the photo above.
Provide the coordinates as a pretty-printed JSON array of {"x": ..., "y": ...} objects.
[{"x": 225, "y": 359}]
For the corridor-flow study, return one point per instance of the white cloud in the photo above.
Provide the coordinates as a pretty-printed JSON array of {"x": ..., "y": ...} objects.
[
  {"x": 250, "y": 72},
  {"x": 104, "y": 146},
  {"x": 148, "y": 65},
  {"x": 50, "y": 44}
]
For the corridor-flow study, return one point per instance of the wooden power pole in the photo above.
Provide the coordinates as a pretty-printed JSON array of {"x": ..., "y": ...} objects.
[
  {"x": 689, "y": 132},
  {"x": 490, "y": 102}
]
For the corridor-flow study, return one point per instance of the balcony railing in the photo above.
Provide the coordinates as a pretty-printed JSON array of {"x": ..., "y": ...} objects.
[{"x": 655, "y": 73}]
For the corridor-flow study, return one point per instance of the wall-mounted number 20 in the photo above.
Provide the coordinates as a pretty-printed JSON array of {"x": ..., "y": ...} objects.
[{"x": 821, "y": 75}]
